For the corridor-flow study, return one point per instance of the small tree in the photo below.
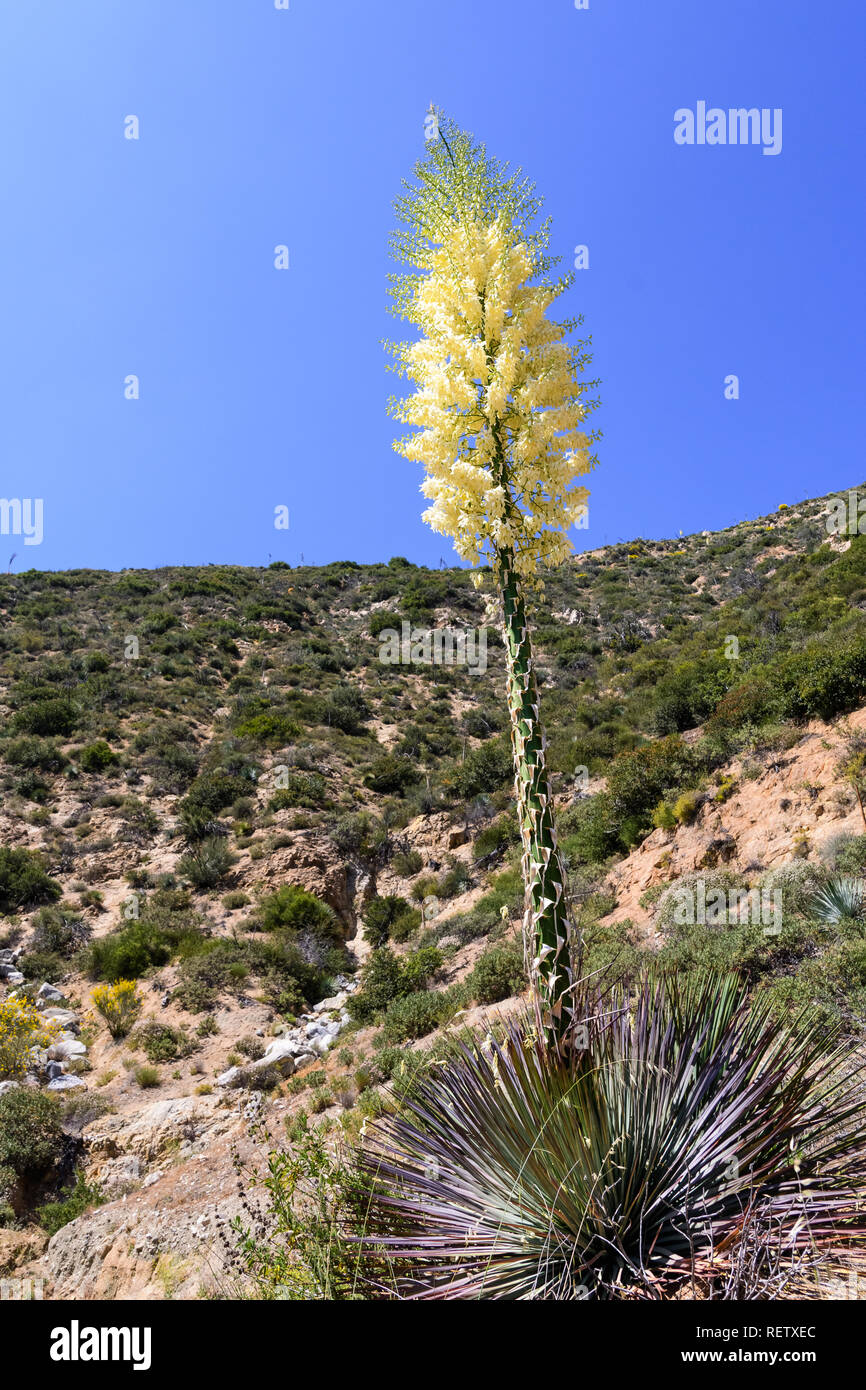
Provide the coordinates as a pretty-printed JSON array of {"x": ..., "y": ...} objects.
[{"x": 499, "y": 409}]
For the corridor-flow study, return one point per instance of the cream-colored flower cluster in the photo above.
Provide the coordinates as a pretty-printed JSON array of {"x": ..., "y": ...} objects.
[{"x": 497, "y": 404}]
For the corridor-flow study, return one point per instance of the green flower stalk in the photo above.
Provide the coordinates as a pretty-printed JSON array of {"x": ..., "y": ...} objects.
[{"x": 498, "y": 410}]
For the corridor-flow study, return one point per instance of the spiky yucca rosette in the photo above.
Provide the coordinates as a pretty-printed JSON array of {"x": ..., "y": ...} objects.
[{"x": 692, "y": 1116}]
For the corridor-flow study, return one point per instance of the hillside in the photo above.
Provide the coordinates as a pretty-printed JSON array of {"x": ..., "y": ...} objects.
[{"x": 216, "y": 783}]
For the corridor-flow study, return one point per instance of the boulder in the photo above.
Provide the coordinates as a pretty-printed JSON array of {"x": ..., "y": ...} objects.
[
  {"x": 280, "y": 1054},
  {"x": 314, "y": 863},
  {"x": 337, "y": 1001},
  {"x": 64, "y": 1018},
  {"x": 47, "y": 994},
  {"x": 66, "y": 1049}
]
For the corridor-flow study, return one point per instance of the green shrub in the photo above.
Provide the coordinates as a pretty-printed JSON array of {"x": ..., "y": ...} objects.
[
  {"x": 381, "y": 619},
  {"x": 405, "y": 925},
  {"x": 849, "y": 855},
  {"x": 44, "y": 966},
  {"x": 35, "y": 753},
  {"x": 501, "y": 834},
  {"x": 160, "y": 1042},
  {"x": 213, "y": 791},
  {"x": 207, "y": 864},
  {"x": 380, "y": 916},
  {"x": 407, "y": 863},
  {"x": 415, "y": 1015},
  {"x": 590, "y": 831},
  {"x": 664, "y": 816},
  {"x": 362, "y": 836},
  {"x": 382, "y": 980},
  {"x": 346, "y": 709},
  {"x": 826, "y": 678},
  {"x": 385, "y": 978},
  {"x": 52, "y": 1216},
  {"x": 274, "y": 728},
  {"x": 33, "y": 788},
  {"x": 638, "y": 779},
  {"x": 295, "y": 910},
  {"x": 23, "y": 880},
  {"x": 506, "y": 891},
  {"x": 96, "y": 757},
  {"x": 58, "y": 931},
  {"x": 303, "y": 789},
  {"x": 47, "y": 717},
  {"x": 485, "y": 769},
  {"x": 497, "y": 974},
  {"x": 291, "y": 982},
  {"x": 391, "y": 774},
  {"x": 31, "y": 1133},
  {"x": 686, "y": 807},
  {"x": 420, "y": 966},
  {"x": 126, "y": 954}
]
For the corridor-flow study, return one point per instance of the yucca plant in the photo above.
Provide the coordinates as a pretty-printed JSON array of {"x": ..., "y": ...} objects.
[
  {"x": 838, "y": 900},
  {"x": 500, "y": 406},
  {"x": 692, "y": 1115}
]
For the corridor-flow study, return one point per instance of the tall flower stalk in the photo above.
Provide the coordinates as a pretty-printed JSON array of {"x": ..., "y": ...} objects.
[{"x": 498, "y": 409}]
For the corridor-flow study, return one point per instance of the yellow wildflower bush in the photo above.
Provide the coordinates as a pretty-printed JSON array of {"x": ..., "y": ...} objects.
[
  {"x": 21, "y": 1027},
  {"x": 119, "y": 1004}
]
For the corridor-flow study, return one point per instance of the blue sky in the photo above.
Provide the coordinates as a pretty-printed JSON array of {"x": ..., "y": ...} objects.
[{"x": 261, "y": 388}]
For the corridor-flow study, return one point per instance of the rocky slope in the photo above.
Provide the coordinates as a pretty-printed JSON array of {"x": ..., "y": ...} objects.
[{"x": 178, "y": 746}]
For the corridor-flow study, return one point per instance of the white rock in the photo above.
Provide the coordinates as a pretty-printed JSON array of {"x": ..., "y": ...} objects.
[
  {"x": 49, "y": 994},
  {"x": 280, "y": 1054},
  {"x": 337, "y": 1001},
  {"x": 64, "y": 1083},
  {"x": 65, "y": 1018},
  {"x": 66, "y": 1049}
]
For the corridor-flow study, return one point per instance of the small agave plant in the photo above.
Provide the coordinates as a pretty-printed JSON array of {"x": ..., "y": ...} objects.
[
  {"x": 838, "y": 900},
  {"x": 624, "y": 1168}
]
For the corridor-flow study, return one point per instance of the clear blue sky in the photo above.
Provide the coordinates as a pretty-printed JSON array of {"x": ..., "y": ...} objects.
[{"x": 259, "y": 387}]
